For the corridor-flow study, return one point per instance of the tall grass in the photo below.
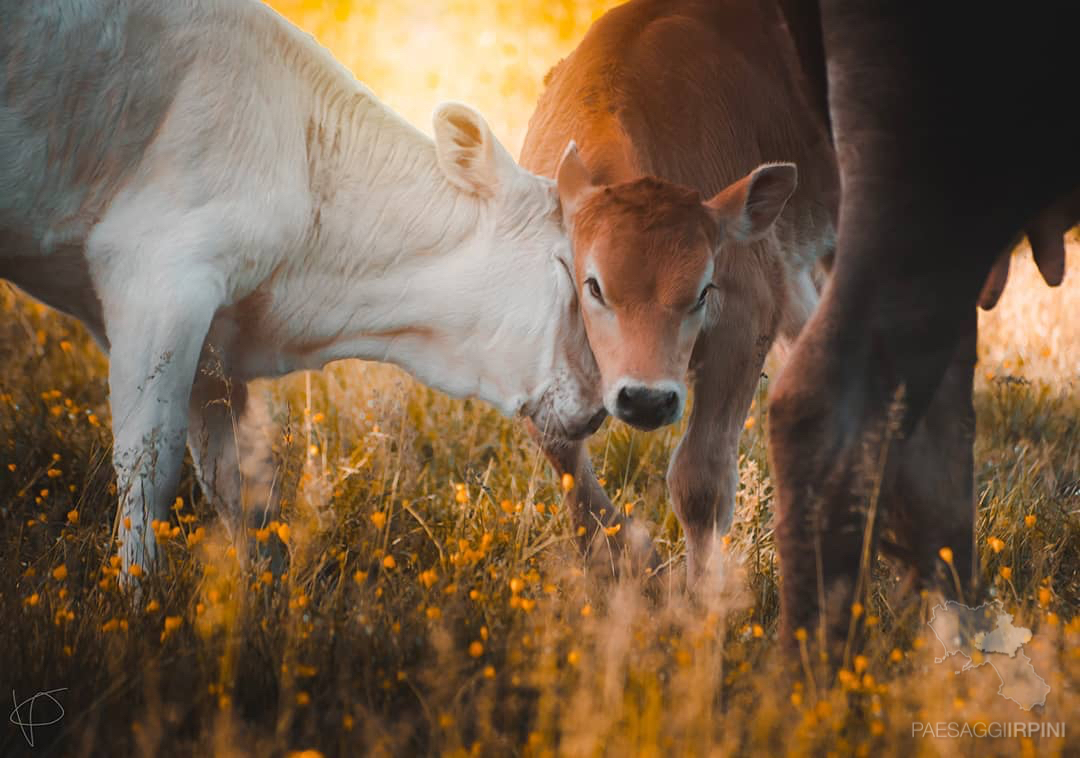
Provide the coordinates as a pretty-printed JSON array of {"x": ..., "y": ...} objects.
[{"x": 434, "y": 600}]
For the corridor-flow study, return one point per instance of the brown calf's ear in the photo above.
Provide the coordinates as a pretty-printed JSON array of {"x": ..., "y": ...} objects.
[
  {"x": 573, "y": 180},
  {"x": 747, "y": 209}
]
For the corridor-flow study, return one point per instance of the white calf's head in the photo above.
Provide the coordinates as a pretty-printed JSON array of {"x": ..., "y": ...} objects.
[{"x": 516, "y": 298}]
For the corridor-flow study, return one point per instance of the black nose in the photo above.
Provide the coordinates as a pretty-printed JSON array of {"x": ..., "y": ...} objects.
[{"x": 646, "y": 408}]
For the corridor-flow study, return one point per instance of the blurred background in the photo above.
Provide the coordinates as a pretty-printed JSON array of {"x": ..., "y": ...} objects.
[{"x": 491, "y": 54}]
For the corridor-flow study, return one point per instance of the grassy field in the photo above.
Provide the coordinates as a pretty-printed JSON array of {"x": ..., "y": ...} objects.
[{"x": 434, "y": 601}]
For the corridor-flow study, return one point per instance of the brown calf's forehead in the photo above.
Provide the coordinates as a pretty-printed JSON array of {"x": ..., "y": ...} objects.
[
  {"x": 649, "y": 239},
  {"x": 649, "y": 205}
]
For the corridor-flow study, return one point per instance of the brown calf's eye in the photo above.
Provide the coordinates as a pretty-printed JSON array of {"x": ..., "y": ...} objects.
[
  {"x": 594, "y": 289},
  {"x": 701, "y": 298}
]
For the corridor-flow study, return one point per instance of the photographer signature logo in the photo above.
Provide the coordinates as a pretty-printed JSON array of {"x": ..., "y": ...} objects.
[{"x": 48, "y": 713}]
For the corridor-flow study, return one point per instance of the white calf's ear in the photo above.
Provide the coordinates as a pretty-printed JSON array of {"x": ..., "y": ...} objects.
[
  {"x": 573, "y": 180},
  {"x": 468, "y": 152},
  {"x": 747, "y": 209}
]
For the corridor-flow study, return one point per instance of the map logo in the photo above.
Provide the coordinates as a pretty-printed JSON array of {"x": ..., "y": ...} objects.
[{"x": 986, "y": 636}]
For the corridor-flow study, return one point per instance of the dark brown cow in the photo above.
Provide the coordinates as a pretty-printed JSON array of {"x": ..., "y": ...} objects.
[
  {"x": 673, "y": 101},
  {"x": 951, "y": 141}
]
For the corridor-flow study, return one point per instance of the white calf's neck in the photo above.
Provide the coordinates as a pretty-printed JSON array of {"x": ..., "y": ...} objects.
[{"x": 400, "y": 265}]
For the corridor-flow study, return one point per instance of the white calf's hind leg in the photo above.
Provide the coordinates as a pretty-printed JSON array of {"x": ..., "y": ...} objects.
[
  {"x": 155, "y": 339},
  {"x": 231, "y": 448}
]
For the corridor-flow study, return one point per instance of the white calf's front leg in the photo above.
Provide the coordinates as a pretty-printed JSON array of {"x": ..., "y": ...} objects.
[{"x": 155, "y": 340}]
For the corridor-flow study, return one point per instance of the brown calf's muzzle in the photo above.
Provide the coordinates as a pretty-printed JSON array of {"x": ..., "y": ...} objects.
[{"x": 648, "y": 407}]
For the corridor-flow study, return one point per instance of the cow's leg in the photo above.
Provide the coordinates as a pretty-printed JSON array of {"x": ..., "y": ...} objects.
[
  {"x": 932, "y": 504},
  {"x": 894, "y": 323},
  {"x": 830, "y": 435},
  {"x": 232, "y": 452},
  {"x": 603, "y": 531},
  {"x": 912, "y": 256},
  {"x": 703, "y": 475},
  {"x": 156, "y": 336}
]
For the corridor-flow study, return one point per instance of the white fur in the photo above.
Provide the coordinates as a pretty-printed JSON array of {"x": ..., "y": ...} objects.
[{"x": 264, "y": 206}]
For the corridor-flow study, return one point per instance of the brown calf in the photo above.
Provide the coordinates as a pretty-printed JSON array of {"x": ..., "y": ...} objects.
[{"x": 672, "y": 102}]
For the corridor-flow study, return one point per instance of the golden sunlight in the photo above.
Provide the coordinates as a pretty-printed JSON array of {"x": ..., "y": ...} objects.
[{"x": 491, "y": 54}]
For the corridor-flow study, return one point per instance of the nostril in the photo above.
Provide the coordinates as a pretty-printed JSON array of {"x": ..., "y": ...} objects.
[
  {"x": 671, "y": 399},
  {"x": 596, "y": 421},
  {"x": 625, "y": 398}
]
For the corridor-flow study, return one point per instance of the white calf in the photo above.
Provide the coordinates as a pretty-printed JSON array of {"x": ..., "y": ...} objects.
[{"x": 199, "y": 181}]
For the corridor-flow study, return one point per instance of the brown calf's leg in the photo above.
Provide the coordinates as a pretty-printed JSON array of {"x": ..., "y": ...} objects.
[{"x": 703, "y": 475}]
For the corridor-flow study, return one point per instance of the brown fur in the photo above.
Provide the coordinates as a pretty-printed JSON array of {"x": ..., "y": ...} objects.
[{"x": 671, "y": 102}]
